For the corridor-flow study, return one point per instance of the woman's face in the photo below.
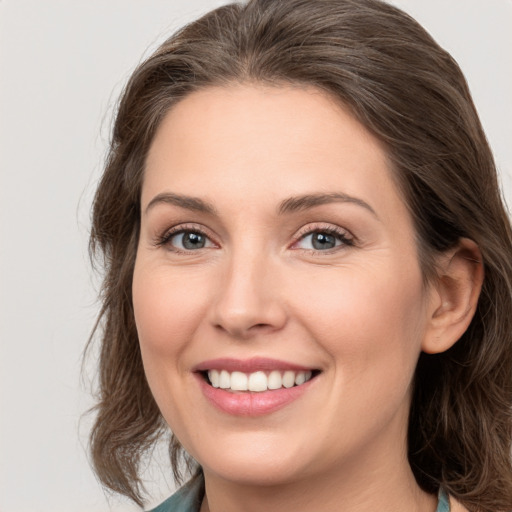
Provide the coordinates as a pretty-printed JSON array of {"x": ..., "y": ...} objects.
[{"x": 275, "y": 248}]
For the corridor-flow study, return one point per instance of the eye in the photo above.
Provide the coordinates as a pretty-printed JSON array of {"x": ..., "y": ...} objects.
[
  {"x": 324, "y": 239},
  {"x": 185, "y": 240}
]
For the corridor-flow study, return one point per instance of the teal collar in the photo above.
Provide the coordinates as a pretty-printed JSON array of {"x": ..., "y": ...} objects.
[
  {"x": 443, "y": 504},
  {"x": 190, "y": 496}
]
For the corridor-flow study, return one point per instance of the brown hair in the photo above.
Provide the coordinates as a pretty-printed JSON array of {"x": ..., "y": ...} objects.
[{"x": 411, "y": 94}]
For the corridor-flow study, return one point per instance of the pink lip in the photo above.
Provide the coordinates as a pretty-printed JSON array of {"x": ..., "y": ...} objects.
[
  {"x": 254, "y": 364},
  {"x": 247, "y": 403}
]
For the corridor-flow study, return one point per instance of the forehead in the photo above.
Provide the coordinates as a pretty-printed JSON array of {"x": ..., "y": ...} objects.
[{"x": 263, "y": 143}]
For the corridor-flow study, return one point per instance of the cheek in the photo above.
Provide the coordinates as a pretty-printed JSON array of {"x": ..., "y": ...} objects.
[
  {"x": 368, "y": 317},
  {"x": 167, "y": 310}
]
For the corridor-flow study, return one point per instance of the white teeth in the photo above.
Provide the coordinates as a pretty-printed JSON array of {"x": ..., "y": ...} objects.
[
  {"x": 239, "y": 381},
  {"x": 214, "y": 377},
  {"x": 275, "y": 381},
  {"x": 257, "y": 381},
  {"x": 288, "y": 379},
  {"x": 300, "y": 378},
  {"x": 224, "y": 380}
]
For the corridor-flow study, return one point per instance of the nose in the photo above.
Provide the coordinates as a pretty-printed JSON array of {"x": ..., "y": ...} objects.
[{"x": 249, "y": 301}]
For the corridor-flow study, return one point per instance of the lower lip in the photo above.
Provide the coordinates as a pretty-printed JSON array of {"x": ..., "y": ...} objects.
[{"x": 247, "y": 403}]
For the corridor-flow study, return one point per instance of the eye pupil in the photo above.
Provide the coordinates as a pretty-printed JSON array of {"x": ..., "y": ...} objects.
[
  {"x": 323, "y": 241},
  {"x": 193, "y": 240}
]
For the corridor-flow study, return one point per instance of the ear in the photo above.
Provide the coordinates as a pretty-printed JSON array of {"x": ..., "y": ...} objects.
[{"x": 453, "y": 296}]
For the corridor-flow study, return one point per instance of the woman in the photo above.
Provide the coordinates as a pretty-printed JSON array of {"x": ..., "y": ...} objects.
[{"x": 308, "y": 272}]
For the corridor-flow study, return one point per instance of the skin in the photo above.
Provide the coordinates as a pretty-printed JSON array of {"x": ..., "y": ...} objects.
[{"x": 360, "y": 312}]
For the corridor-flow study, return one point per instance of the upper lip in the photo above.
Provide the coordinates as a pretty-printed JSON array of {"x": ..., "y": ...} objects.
[{"x": 251, "y": 365}]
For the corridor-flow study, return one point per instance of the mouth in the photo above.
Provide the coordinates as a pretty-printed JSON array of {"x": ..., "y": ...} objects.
[
  {"x": 253, "y": 387},
  {"x": 258, "y": 381},
  {"x": 269, "y": 379}
]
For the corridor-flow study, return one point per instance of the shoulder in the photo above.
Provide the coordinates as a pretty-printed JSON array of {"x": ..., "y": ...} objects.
[{"x": 186, "y": 499}]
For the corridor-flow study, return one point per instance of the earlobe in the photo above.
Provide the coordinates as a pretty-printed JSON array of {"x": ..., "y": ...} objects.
[{"x": 454, "y": 296}]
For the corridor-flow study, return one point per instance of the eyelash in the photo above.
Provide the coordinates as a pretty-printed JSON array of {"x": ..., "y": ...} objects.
[
  {"x": 340, "y": 234},
  {"x": 165, "y": 238}
]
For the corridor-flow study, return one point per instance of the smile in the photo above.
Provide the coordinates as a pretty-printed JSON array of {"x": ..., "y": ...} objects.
[
  {"x": 258, "y": 381},
  {"x": 253, "y": 387}
]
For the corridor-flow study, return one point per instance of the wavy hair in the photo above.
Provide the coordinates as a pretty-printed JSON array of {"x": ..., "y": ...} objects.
[{"x": 410, "y": 93}]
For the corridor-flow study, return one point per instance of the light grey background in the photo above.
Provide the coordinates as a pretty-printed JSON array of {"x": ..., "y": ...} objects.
[{"x": 62, "y": 65}]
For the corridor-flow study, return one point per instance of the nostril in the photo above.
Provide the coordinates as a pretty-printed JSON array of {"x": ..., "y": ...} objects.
[{"x": 243, "y": 332}]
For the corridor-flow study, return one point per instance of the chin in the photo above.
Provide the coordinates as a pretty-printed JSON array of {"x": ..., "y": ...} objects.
[
  {"x": 262, "y": 474},
  {"x": 255, "y": 462}
]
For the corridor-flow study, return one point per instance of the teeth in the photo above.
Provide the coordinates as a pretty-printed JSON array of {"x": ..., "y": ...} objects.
[
  {"x": 257, "y": 381},
  {"x": 239, "y": 381},
  {"x": 275, "y": 381},
  {"x": 224, "y": 380},
  {"x": 288, "y": 379},
  {"x": 214, "y": 377},
  {"x": 300, "y": 378}
]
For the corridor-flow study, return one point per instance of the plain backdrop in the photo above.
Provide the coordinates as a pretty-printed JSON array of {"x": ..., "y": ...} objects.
[{"x": 62, "y": 66}]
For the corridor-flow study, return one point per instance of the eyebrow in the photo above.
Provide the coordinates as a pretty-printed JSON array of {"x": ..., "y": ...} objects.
[
  {"x": 290, "y": 205},
  {"x": 304, "y": 202},
  {"x": 188, "y": 202}
]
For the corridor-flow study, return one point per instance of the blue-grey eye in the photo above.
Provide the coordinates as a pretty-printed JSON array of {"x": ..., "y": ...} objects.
[
  {"x": 190, "y": 240},
  {"x": 321, "y": 241}
]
